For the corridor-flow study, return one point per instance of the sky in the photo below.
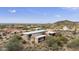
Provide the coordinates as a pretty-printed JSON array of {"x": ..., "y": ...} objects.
[{"x": 38, "y": 14}]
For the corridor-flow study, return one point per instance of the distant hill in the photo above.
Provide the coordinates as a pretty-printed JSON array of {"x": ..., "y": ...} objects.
[{"x": 61, "y": 24}]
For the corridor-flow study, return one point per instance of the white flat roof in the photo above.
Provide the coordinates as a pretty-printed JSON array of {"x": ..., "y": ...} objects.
[
  {"x": 32, "y": 32},
  {"x": 40, "y": 36}
]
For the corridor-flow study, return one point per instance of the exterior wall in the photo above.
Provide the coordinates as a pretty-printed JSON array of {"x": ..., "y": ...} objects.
[
  {"x": 25, "y": 37},
  {"x": 38, "y": 40},
  {"x": 36, "y": 34},
  {"x": 33, "y": 36}
]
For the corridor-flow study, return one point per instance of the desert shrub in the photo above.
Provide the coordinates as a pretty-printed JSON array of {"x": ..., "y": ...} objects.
[
  {"x": 73, "y": 44},
  {"x": 62, "y": 39},
  {"x": 55, "y": 42},
  {"x": 1, "y": 37},
  {"x": 24, "y": 42},
  {"x": 52, "y": 43},
  {"x": 2, "y": 26},
  {"x": 14, "y": 44}
]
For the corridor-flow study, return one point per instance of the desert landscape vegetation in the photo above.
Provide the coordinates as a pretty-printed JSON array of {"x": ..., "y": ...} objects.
[{"x": 59, "y": 36}]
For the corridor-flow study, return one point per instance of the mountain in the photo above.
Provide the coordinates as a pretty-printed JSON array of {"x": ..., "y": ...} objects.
[{"x": 61, "y": 24}]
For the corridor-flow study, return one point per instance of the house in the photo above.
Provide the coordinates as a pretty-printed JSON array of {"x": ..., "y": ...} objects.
[
  {"x": 52, "y": 33},
  {"x": 38, "y": 35}
]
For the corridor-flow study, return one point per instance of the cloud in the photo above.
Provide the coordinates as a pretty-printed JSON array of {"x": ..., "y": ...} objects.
[
  {"x": 12, "y": 11},
  {"x": 57, "y": 15},
  {"x": 70, "y": 8}
]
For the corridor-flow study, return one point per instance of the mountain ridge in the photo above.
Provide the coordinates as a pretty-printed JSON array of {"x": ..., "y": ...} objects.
[{"x": 68, "y": 23}]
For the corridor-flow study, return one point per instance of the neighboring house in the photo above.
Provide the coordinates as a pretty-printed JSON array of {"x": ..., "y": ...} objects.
[
  {"x": 38, "y": 35},
  {"x": 52, "y": 33}
]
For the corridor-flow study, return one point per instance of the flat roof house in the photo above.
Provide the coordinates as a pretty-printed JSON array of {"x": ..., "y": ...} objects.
[
  {"x": 52, "y": 33},
  {"x": 38, "y": 35}
]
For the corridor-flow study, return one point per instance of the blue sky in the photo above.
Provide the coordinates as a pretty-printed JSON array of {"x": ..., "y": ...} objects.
[{"x": 38, "y": 14}]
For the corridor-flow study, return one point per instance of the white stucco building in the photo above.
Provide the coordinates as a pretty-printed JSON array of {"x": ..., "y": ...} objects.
[{"x": 38, "y": 35}]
